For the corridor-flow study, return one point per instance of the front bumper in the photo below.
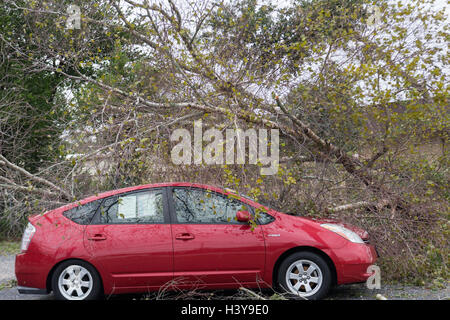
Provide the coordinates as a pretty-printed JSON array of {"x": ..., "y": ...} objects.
[{"x": 352, "y": 262}]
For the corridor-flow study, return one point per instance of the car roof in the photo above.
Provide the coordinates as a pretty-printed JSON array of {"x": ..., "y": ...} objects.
[
  {"x": 160, "y": 185},
  {"x": 155, "y": 185}
]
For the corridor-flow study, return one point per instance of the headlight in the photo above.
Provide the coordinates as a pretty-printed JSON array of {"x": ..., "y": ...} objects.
[
  {"x": 27, "y": 235},
  {"x": 344, "y": 232}
]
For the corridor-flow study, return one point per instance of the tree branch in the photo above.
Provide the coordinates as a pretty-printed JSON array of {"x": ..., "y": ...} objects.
[{"x": 5, "y": 162}]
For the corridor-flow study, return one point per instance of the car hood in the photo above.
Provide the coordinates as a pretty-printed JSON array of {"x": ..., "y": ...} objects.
[{"x": 360, "y": 232}]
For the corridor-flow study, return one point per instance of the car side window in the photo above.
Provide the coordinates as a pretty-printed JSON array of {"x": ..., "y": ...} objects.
[
  {"x": 140, "y": 207},
  {"x": 82, "y": 214},
  {"x": 203, "y": 206},
  {"x": 264, "y": 218}
]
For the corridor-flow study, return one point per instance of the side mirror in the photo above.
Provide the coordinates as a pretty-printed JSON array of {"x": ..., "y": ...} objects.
[{"x": 243, "y": 216}]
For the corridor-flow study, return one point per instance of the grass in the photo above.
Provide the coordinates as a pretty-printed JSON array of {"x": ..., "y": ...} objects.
[
  {"x": 9, "y": 247},
  {"x": 8, "y": 284}
]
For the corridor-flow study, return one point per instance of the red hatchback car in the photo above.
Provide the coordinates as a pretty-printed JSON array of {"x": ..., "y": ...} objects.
[{"x": 187, "y": 236}]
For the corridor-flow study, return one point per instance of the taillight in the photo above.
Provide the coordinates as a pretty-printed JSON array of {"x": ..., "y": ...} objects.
[{"x": 27, "y": 235}]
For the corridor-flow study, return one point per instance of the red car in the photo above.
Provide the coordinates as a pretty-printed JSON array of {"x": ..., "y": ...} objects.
[{"x": 185, "y": 236}]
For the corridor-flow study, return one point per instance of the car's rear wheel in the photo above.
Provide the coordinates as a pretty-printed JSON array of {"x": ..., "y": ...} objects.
[
  {"x": 76, "y": 280},
  {"x": 305, "y": 275}
]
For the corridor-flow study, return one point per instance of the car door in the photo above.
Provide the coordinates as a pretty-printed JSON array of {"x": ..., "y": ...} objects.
[
  {"x": 210, "y": 246},
  {"x": 130, "y": 238}
]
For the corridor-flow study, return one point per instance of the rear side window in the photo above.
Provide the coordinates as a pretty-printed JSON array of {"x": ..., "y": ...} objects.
[
  {"x": 141, "y": 207},
  {"x": 83, "y": 214}
]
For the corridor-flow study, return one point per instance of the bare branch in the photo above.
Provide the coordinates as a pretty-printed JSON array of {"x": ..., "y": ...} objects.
[{"x": 5, "y": 162}]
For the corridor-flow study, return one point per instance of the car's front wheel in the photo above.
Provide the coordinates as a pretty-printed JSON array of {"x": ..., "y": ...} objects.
[
  {"x": 76, "y": 280},
  {"x": 306, "y": 275}
]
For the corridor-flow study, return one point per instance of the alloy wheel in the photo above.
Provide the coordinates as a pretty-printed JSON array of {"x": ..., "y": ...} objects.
[
  {"x": 304, "y": 278},
  {"x": 75, "y": 282}
]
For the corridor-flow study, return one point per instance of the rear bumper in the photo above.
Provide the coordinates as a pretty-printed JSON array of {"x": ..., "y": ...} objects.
[
  {"x": 28, "y": 290},
  {"x": 31, "y": 273}
]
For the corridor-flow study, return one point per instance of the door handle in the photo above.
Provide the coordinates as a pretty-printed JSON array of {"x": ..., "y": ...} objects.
[
  {"x": 97, "y": 237},
  {"x": 184, "y": 236}
]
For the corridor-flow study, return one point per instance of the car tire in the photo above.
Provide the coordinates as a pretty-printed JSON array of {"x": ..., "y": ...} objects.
[
  {"x": 305, "y": 275},
  {"x": 76, "y": 280}
]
